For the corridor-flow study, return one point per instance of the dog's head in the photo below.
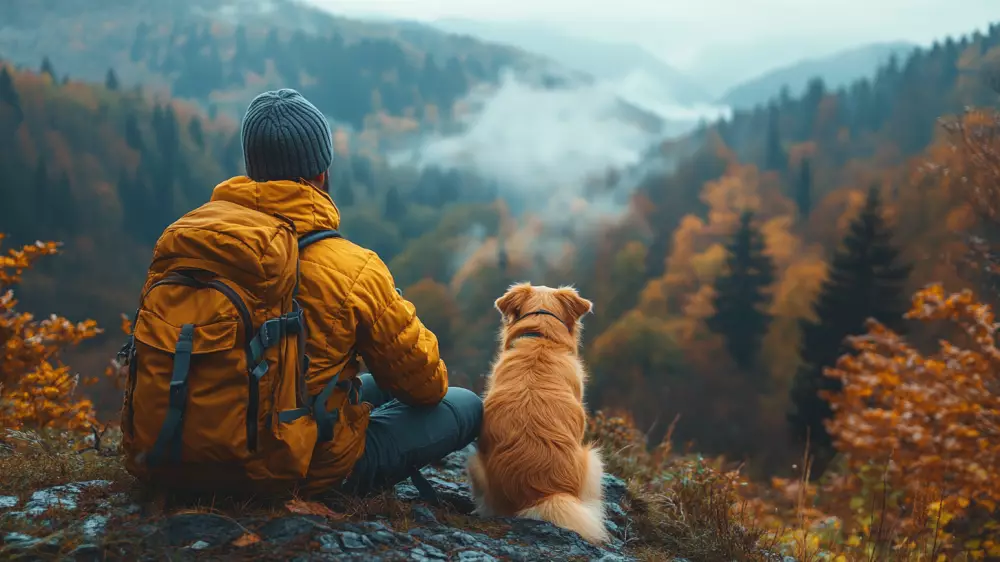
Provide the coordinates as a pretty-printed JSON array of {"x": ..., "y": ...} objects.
[{"x": 538, "y": 308}]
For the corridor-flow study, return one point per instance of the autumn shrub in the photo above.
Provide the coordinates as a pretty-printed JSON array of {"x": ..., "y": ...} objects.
[
  {"x": 36, "y": 389},
  {"x": 924, "y": 430},
  {"x": 681, "y": 505}
]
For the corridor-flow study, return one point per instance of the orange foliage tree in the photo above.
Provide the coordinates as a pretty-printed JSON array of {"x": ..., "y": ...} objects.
[
  {"x": 930, "y": 423},
  {"x": 36, "y": 389}
]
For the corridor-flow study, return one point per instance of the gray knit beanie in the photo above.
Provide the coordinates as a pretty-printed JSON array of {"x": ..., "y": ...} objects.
[{"x": 285, "y": 138}]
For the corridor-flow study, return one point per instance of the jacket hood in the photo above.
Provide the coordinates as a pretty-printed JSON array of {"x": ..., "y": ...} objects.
[{"x": 308, "y": 207}]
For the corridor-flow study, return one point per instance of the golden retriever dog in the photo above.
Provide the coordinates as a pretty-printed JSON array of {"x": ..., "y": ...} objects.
[{"x": 531, "y": 460}]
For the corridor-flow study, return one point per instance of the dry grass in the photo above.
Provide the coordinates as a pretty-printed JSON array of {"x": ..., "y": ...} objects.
[
  {"x": 33, "y": 460},
  {"x": 681, "y": 506}
]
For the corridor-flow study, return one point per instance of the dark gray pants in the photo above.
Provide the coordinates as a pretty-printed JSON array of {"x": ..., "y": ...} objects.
[{"x": 402, "y": 437}]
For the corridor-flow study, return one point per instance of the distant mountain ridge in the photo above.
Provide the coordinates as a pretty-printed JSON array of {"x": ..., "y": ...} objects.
[
  {"x": 838, "y": 69},
  {"x": 603, "y": 60}
]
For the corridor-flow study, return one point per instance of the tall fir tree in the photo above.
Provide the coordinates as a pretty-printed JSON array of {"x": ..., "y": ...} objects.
[
  {"x": 111, "y": 80},
  {"x": 342, "y": 188},
  {"x": 803, "y": 190},
  {"x": 344, "y": 195},
  {"x": 196, "y": 132},
  {"x": 9, "y": 98},
  {"x": 741, "y": 294},
  {"x": 774, "y": 154},
  {"x": 866, "y": 280},
  {"x": 63, "y": 207},
  {"x": 42, "y": 210},
  {"x": 395, "y": 209},
  {"x": 133, "y": 136},
  {"x": 8, "y": 93},
  {"x": 48, "y": 69}
]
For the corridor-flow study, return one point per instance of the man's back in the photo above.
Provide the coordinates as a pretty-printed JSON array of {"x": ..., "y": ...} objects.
[{"x": 350, "y": 306}]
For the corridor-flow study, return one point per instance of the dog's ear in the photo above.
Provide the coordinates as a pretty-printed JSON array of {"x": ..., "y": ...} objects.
[
  {"x": 511, "y": 303},
  {"x": 576, "y": 305}
]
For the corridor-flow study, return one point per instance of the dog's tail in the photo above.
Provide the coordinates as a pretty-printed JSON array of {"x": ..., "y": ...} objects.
[{"x": 569, "y": 512}]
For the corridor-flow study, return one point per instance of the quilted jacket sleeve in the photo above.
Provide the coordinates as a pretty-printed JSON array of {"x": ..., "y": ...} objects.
[{"x": 400, "y": 351}]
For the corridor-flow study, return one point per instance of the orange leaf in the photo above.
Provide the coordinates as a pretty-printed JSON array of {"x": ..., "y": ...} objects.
[
  {"x": 246, "y": 540},
  {"x": 311, "y": 508}
]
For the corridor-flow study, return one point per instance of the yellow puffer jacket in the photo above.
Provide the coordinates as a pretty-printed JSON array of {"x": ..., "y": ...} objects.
[{"x": 350, "y": 301}]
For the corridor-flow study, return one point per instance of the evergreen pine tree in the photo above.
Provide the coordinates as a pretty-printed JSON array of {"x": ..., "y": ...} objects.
[
  {"x": 774, "y": 154},
  {"x": 131, "y": 205},
  {"x": 47, "y": 68},
  {"x": 40, "y": 183},
  {"x": 111, "y": 80},
  {"x": 741, "y": 294},
  {"x": 196, "y": 133},
  {"x": 803, "y": 190},
  {"x": 394, "y": 206},
  {"x": 133, "y": 137},
  {"x": 8, "y": 93},
  {"x": 63, "y": 206},
  {"x": 866, "y": 280},
  {"x": 10, "y": 119},
  {"x": 344, "y": 196},
  {"x": 232, "y": 156}
]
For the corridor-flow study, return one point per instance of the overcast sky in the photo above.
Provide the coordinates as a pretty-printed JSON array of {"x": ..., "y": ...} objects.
[{"x": 691, "y": 34}]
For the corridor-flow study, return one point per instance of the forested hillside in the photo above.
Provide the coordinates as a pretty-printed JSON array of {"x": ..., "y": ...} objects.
[
  {"x": 836, "y": 70},
  {"x": 221, "y": 53}
]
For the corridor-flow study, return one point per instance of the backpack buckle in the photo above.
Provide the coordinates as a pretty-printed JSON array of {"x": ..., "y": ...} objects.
[
  {"x": 178, "y": 394},
  {"x": 265, "y": 339}
]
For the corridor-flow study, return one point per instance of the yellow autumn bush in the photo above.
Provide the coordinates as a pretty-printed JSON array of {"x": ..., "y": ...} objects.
[{"x": 37, "y": 390}]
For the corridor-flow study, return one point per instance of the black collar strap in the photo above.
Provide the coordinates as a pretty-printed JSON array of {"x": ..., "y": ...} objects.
[
  {"x": 533, "y": 333},
  {"x": 535, "y": 313}
]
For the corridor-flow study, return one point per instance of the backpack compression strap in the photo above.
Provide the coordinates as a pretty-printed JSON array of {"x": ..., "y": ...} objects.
[
  {"x": 326, "y": 420},
  {"x": 316, "y": 236}
]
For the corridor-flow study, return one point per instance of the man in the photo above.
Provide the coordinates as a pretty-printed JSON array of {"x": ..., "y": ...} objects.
[{"x": 407, "y": 416}]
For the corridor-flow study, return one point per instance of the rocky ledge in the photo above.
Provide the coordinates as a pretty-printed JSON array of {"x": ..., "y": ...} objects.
[{"x": 111, "y": 527}]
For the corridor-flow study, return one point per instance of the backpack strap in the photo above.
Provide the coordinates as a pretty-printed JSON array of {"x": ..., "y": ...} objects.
[
  {"x": 424, "y": 488},
  {"x": 316, "y": 236},
  {"x": 327, "y": 419},
  {"x": 170, "y": 433}
]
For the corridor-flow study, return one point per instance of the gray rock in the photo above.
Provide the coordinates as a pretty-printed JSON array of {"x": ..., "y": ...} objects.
[
  {"x": 94, "y": 526},
  {"x": 87, "y": 553},
  {"x": 423, "y": 516},
  {"x": 214, "y": 530},
  {"x": 63, "y": 497},
  {"x": 330, "y": 543},
  {"x": 426, "y": 553},
  {"x": 285, "y": 529},
  {"x": 14, "y": 542},
  {"x": 475, "y": 556},
  {"x": 615, "y": 489},
  {"x": 354, "y": 541},
  {"x": 426, "y": 539},
  {"x": 18, "y": 538},
  {"x": 9, "y": 502}
]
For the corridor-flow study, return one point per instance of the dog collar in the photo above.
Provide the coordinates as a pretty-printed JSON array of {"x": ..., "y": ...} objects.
[
  {"x": 535, "y": 313},
  {"x": 533, "y": 333}
]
